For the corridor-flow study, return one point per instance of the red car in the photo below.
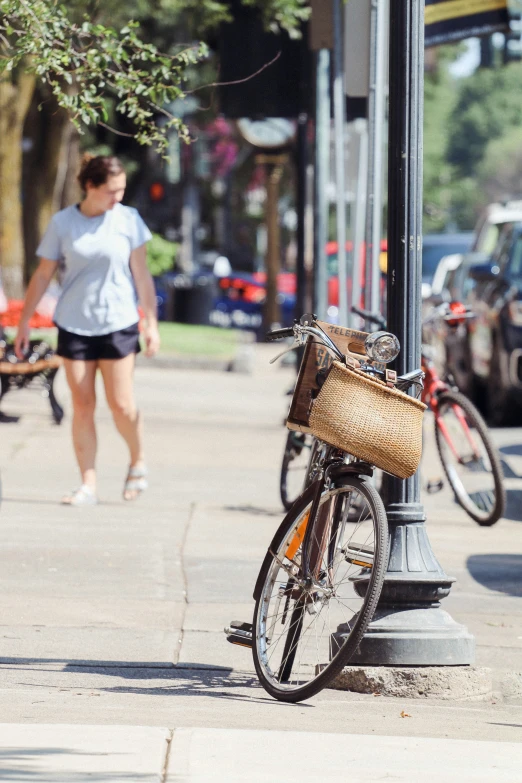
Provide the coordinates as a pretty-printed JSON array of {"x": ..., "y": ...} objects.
[
  {"x": 287, "y": 284},
  {"x": 333, "y": 280}
]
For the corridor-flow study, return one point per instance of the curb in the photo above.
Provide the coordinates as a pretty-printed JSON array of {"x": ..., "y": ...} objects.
[
  {"x": 455, "y": 683},
  {"x": 241, "y": 361},
  {"x": 174, "y": 362}
]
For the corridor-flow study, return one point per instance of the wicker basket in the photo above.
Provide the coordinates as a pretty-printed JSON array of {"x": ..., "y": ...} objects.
[{"x": 368, "y": 419}]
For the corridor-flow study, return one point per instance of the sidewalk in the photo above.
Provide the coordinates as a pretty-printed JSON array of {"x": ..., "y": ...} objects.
[
  {"x": 78, "y": 754},
  {"x": 112, "y": 617}
]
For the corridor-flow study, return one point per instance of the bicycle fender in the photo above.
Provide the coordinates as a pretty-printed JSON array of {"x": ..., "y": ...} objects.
[{"x": 355, "y": 470}]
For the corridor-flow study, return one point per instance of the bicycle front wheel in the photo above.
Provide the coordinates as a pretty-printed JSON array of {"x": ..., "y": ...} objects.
[
  {"x": 470, "y": 459},
  {"x": 304, "y": 632}
]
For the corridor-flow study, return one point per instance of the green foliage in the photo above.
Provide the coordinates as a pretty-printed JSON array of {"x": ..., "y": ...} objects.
[
  {"x": 489, "y": 103},
  {"x": 161, "y": 255},
  {"x": 472, "y": 142},
  {"x": 440, "y": 95},
  {"x": 85, "y": 63},
  {"x": 500, "y": 171},
  {"x": 192, "y": 340},
  {"x": 88, "y": 54},
  {"x": 282, "y": 14}
]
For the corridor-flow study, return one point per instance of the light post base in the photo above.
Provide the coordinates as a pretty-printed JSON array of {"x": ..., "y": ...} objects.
[
  {"x": 449, "y": 683},
  {"x": 409, "y": 627},
  {"x": 412, "y": 636}
]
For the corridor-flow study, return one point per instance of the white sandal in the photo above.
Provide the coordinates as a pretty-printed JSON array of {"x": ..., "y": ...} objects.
[
  {"x": 136, "y": 481},
  {"x": 84, "y": 496}
]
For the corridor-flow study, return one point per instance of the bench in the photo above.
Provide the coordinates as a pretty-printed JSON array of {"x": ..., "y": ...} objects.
[{"x": 39, "y": 368}]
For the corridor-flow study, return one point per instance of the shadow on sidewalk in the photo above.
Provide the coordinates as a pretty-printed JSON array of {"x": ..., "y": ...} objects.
[
  {"x": 513, "y": 505},
  {"x": 38, "y": 502},
  {"x": 255, "y": 510},
  {"x": 157, "y": 679},
  {"x": 12, "y": 767},
  {"x": 513, "y": 496},
  {"x": 6, "y": 418},
  {"x": 499, "y": 572}
]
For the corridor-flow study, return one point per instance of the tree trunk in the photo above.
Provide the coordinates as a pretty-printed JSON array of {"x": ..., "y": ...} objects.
[
  {"x": 71, "y": 192},
  {"x": 47, "y": 177},
  {"x": 15, "y": 98}
]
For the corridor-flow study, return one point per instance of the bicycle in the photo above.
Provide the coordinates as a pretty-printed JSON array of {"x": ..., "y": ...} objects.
[
  {"x": 470, "y": 459},
  {"x": 322, "y": 575},
  {"x": 297, "y": 467}
]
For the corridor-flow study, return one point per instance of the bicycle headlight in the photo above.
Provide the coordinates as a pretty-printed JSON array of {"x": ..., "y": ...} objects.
[{"x": 382, "y": 347}]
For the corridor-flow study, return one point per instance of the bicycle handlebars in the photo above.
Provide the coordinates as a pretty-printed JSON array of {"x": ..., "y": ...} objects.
[
  {"x": 300, "y": 331},
  {"x": 375, "y": 318},
  {"x": 279, "y": 334},
  {"x": 441, "y": 311}
]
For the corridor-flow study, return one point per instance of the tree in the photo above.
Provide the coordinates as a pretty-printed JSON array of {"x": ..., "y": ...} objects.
[
  {"x": 489, "y": 103},
  {"x": 440, "y": 95},
  {"x": 16, "y": 90},
  {"x": 84, "y": 63},
  {"x": 500, "y": 171}
]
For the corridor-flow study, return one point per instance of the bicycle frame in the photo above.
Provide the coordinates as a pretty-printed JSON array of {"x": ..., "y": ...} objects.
[
  {"x": 311, "y": 532},
  {"x": 312, "y": 529}
]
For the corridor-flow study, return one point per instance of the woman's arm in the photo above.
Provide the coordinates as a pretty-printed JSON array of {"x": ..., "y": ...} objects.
[
  {"x": 35, "y": 290},
  {"x": 147, "y": 296}
]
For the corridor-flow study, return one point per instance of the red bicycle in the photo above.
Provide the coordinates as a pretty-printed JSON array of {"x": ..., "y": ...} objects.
[{"x": 470, "y": 459}]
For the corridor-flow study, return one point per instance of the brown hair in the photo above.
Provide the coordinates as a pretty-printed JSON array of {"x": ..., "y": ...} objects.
[{"x": 97, "y": 169}]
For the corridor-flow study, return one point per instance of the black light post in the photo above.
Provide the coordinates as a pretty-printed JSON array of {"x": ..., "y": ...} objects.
[{"x": 409, "y": 626}]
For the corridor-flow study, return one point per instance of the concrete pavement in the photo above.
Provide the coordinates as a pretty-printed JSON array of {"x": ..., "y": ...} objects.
[
  {"x": 112, "y": 616},
  {"x": 58, "y": 753}
]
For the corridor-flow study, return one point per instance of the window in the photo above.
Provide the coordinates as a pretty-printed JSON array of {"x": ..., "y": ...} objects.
[
  {"x": 515, "y": 265},
  {"x": 488, "y": 238}
]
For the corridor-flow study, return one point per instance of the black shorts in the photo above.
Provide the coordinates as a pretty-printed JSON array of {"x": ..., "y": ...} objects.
[{"x": 115, "y": 345}]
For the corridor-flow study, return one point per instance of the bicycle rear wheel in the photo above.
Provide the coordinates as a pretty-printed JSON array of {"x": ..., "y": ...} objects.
[
  {"x": 470, "y": 459},
  {"x": 298, "y": 456},
  {"x": 294, "y": 648}
]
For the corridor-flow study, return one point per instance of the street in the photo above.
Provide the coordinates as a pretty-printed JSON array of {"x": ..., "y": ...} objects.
[{"x": 112, "y": 616}]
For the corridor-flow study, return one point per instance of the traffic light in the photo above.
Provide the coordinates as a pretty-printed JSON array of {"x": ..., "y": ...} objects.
[{"x": 156, "y": 191}]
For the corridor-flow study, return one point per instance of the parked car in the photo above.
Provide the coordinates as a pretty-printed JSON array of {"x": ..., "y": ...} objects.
[
  {"x": 456, "y": 281},
  {"x": 495, "y": 334},
  {"x": 492, "y": 221},
  {"x": 241, "y": 296},
  {"x": 240, "y": 299},
  {"x": 436, "y": 247},
  {"x": 453, "y": 281}
]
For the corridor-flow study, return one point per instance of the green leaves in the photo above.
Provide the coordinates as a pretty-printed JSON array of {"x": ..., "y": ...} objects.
[{"x": 86, "y": 63}]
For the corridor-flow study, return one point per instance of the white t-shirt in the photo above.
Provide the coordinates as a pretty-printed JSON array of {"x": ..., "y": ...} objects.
[{"x": 98, "y": 293}]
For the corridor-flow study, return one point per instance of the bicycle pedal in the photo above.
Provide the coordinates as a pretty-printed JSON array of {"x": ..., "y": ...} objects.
[
  {"x": 239, "y": 633},
  {"x": 434, "y": 486}
]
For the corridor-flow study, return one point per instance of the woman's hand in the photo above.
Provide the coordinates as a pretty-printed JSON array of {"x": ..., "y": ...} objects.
[
  {"x": 152, "y": 339},
  {"x": 35, "y": 290},
  {"x": 21, "y": 344}
]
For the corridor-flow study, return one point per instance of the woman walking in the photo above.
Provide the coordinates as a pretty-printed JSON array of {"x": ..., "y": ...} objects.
[{"x": 102, "y": 245}]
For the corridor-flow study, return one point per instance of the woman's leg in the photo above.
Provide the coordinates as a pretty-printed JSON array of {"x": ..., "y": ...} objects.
[
  {"x": 81, "y": 379},
  {"x": 118, "y": 381}
]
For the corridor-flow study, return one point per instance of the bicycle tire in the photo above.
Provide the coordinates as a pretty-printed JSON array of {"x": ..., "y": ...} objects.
[
  {"x": 266, "y": 582},
  {"x": 288, "y": 497},
  {"x": 482, "y": 518}
]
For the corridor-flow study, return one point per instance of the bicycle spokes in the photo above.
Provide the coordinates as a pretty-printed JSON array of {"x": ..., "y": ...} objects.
[
  {"x": 466, "y": 459},
  {"x": 299, "y": 614}
]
